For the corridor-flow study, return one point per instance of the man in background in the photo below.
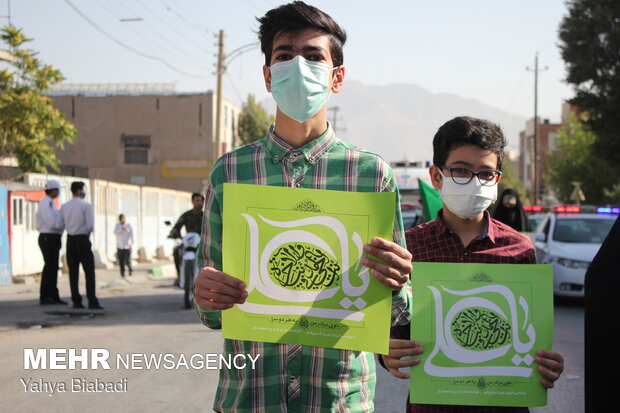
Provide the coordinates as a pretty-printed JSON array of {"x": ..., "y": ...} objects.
[
  {"x": 77, "y": 217},
  {"x": 192, "y": 221},
  {"x": 49, "y": 243},
  {"x": 124, "y": 241}
]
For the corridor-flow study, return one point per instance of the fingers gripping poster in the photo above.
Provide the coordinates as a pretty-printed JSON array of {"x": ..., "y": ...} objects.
[
  {"x": 299, "y": 252},
  {"x": 480, "y": 326}
]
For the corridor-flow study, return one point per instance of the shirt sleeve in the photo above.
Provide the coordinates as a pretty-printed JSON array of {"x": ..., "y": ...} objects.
[
  {"x": 179, "y": 224},
  {"x": 210, "y": 252},
  {"x": 90, "y": 218},
  {"x": 118, "y": 229},
  {"x": 60, "y": 221},
  {"x": 401, "y": 301}
]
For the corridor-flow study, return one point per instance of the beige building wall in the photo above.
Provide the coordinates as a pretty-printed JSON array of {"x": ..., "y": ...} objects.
[{"x": 156, "y": 140}]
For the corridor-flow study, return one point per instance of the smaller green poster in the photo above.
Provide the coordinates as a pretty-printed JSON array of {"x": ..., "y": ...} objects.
[
  {"x": 299, "y": 252},
  {"x": 480, "y": 326}
]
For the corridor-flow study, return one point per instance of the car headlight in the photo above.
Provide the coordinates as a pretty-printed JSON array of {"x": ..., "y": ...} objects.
[{"x": 565, "y": 262}]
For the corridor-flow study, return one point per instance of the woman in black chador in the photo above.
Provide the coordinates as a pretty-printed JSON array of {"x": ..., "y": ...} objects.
[{"x": 510, "y": 211}]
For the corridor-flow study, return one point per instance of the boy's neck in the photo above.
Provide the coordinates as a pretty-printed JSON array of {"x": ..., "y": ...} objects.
[
  {"x": 299, "y": 134},
  {"x": 467, "y": 229}
]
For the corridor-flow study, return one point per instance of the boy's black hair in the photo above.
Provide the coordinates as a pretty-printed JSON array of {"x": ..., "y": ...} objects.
[
  {"x": 76, "y": 186},
  {"x": 465, "y": 130},
  {"x": 196, "y": 195},
  {"x": 294, "y": 17}
]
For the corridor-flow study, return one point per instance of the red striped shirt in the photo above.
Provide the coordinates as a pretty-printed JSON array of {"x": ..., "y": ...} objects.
[{"x": 434, "y": 241}]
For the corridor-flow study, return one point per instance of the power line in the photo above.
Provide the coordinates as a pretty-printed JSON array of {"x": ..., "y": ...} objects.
[
  {"x": 165, "y": 22},
  {"x": 126, "y": 46},
  {"x": 197, "y": 22},
  {"x": 174, "y": 47}
]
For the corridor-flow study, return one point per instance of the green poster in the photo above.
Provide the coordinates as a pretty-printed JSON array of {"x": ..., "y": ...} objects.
[
  {"x": 299, "y": 252},
  {"x": 480, "y": 326}
]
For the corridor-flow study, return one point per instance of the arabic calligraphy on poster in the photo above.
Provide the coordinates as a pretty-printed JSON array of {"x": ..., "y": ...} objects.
[
  {"x": 481, "y": 325},
  {"x": 299, "y": 252}
]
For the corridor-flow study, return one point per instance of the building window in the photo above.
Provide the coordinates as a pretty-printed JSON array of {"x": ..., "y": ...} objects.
[
  {"x": 137, "y": 156},
  {"x": 18, "y": 211},
  {"x": 136, "y": 149}
]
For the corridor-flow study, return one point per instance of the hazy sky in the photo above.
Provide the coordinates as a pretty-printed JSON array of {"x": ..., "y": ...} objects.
[{"x": 473, "y": 48}]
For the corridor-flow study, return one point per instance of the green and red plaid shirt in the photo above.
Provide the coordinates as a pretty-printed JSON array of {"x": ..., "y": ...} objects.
[{"x": 291, "y": 377}]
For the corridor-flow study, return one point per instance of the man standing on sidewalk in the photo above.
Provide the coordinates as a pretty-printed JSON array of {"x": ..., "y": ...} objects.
[
  {"x": 49, "y": 242},
  {"x": 124, "y": 241},
  {"x": 77, "y": 217}
]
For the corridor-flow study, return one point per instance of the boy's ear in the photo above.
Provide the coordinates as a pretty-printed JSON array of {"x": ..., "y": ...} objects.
[
  {"x": 267, "y": 77},
  {"x": 338, "y": 79},
  {"x": 436, "y": 178}
]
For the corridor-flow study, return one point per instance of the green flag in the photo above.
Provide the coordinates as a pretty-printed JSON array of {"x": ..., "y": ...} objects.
[{"x": 429, "y": 198}]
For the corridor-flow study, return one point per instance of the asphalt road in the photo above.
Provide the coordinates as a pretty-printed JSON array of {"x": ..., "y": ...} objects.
[{"x": 145, "y": 315}]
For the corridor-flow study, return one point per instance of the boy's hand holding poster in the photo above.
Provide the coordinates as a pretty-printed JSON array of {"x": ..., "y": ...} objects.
[
  {"x": 299, "y": 252},
  {"x": 480, "y": 326}
]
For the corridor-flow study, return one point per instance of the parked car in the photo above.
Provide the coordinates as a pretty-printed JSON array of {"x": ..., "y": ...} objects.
[
  {"x": 412, "y": 215},
  {"x": 569, "y": 242},
  {"x": 535, "y": 220}
]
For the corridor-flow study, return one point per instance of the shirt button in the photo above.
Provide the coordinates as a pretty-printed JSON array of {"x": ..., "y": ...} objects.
[
  {"x": 276, "y": 158},
  {"x": 465, "y": 253},
  {"x": 292, "y": 379}
]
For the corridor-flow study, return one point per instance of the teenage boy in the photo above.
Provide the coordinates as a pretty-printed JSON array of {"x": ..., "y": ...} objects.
[
  {"x": 467, "y": 158},
  {"x": 303, "y": 65}
]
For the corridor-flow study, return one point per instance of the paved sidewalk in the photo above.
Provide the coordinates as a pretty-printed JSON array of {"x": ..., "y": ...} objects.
[
  {"x": 143, "y": 316},
  {"x": 19, "y": 302}
]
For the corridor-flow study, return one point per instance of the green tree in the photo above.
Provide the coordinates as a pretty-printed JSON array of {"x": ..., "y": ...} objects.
[
  {"x": 590, "y": 45},
  {"x": 575, "y": 160},
  {"x": 253, "y": 121},
  {"x": 29, "y": 125}
]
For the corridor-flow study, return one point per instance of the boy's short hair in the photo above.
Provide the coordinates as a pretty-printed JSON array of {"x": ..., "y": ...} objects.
[
  {"x": 465, "y": 130},
  {"x": 294, "y": 17},
  {"x": 197, "y": 195},
  {"x": 76, "y": 186}
]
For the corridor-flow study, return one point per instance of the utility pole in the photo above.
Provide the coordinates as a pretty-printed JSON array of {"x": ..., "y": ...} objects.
[
  {"x": 334, "y": 122},
  {"x": 536, "y": 171},
  {"x": 218, "y": 97}
]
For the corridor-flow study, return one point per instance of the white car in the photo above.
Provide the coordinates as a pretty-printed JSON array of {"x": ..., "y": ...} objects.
[{"x": 569, "y": 242}]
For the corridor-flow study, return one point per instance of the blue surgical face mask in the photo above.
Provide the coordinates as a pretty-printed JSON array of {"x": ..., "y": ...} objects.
[
  {"x": 300, "y": 87},
  {"x": 83, "y": 195}
]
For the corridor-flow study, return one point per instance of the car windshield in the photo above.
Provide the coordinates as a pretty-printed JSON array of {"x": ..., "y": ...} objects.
[
  {"x": 534, "y": 221},
  {"x": 588, "y": 231},
  {"x": 409, "y": 221}
]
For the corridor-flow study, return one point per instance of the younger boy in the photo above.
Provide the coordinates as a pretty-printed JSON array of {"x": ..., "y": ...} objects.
[{"x": 467, "y": 159}]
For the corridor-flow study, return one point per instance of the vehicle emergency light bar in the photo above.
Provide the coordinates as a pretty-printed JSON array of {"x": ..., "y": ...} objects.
[
  {"x": 571, "y": 209},
  {"x": 608, "y": 210},
  {"x": 532, "y": 208}
]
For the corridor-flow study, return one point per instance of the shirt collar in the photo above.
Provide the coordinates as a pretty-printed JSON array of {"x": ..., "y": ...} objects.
[
  {"x": 489, "y": 231},
  {"x": 312, "y": 151}
]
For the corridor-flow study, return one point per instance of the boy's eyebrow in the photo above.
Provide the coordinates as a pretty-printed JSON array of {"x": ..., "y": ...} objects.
[
  {"x": 291, "y": 48},
  {"x": 469, "y": 165}
]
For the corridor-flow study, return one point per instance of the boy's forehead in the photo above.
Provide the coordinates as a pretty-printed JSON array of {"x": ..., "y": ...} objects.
[
  {"x": 299, "y": 39},
  {"x": 472, "y": 156}
]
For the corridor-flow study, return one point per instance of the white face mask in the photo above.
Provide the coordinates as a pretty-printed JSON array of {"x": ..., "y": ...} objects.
[{"x": 469, "y": 200}]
